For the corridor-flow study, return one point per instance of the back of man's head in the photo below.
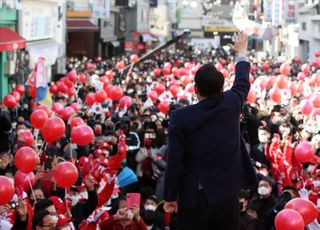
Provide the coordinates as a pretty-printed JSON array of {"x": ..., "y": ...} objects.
[{"x": 209, "y": 81}]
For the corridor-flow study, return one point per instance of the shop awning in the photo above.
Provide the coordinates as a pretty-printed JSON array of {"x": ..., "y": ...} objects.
[
  {"x": 10, "y": 40},
  {"x": 81, "y": 25}
]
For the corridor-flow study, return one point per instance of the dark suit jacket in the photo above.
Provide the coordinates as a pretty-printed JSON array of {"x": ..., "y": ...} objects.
[{"x": 205, "y": 147}]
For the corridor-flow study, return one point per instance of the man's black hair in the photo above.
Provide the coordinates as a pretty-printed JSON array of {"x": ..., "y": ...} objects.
[
  {"x": 244, "y": 195},
  {"x": 38, "y": 218},
  {"x": 42, "y": 205},
  {"x": 208, "y": 80}
]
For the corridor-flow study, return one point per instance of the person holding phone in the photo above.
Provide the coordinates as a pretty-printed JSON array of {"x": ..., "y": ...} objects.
[{"x": 207, "y": 160}]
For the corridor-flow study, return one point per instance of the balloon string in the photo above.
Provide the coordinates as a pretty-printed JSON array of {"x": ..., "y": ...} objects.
[
  {"x": 65, "y": 197},
  {"x": 71, "y": 152},
  {"x": 34, "y": 197}
]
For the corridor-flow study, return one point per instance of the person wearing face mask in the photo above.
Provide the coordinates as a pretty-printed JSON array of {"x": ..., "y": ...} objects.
[
  {"x": 127, "y": 219},
  {"x": 151, "y": 215},
  {"x": 247, "y": 222},
  {"x": 146, "y": 157},
  {"x": 257, "y": 153},
  {"x": 264, "y": 201}
]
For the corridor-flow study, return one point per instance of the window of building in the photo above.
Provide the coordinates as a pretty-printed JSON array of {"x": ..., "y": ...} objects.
[{"x": 304, "y": 26}]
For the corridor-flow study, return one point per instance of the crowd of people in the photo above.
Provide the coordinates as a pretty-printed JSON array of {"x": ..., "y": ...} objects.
[{"x": 128, "y": 113}]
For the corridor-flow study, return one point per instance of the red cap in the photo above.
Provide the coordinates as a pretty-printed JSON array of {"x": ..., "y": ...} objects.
[
  {"x": 104, "y": 145},
  {"x": 57, "y": 202}
]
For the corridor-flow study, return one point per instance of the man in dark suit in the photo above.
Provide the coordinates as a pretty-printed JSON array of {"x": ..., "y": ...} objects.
[{"x": 208, "y": 163}]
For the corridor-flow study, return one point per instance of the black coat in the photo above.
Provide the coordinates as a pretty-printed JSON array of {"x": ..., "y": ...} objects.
[{"x": 205, "y": 147}]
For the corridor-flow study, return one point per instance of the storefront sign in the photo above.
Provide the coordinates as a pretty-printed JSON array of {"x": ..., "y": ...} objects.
[{"x": 101, "y": 9}]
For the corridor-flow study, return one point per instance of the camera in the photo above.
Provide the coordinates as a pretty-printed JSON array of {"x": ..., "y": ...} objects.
[
  {"x": 161, "y": 166},
  {"x": 13, "y": 205}
]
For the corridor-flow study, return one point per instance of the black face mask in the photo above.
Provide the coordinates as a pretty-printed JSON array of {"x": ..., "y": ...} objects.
[{"x": 240, "y": 205}]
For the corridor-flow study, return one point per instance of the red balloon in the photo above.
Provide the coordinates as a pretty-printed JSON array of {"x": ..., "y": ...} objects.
[
  {"x": 38, "y": 118},
  {"x": 82, "y": 135},
  {"x": 315, "y": 63},
  {"x": 304, "y": 152},
  {"x": 110, "y": 75},
  {"x": 53, "y": 89},
  {"x": 174, "y": 89},
  {"x": 90, "y": 99},
  {"x": 157, "y": 72},
  {"x": 167, "y": 65},
  {"x": 72, "y": 75},
  {"x": 305, "y": 68},
  {"x": 9, "y": 101},
  {"x": 44, "y": 108},
  {"x": 160, "y": 88},
  {"x": 65, "y": 174},
  {"x": 67, "y": 112},
  {"x": 90, "y": 66},
  {"x": 74, "y": 105},
  {"x": 225, "y": 73},
  {"x": 282, "y": 82},
  {"x": 315, "y": 80},
  {"x": 134, "y": 58},
  {"x": 120, "y": 65},
  {"x": 125, "y": 101},
  {"x": 26, "y": 137},
  {"x": 231, "y": 68},
  {"x": 21, "y": 180},
  {"x": 317, "y": 54},
  {"x": 164, "y": 107},
  {"x": 316, "y": 101},
  {"x": 32, "y": 91},
  {"x": 152, "y": 95},
  {"x": 275, "y": 95},
  {"x": 76, "y": 122},
  {"x": 263, "y": 84},
  {"x": 252, "y": 96},
  {"x": 21, "y": 89},
  {"x": 285, "y": 69},
  {"x": 83, "y": 78},
  {"x": 175, "y": 71},
  {"x": 301, "y": 76},
  {"x": 62, "y": 88},
  {"x": 53, "y": 129},
  {"x": 71, "y": 92},
  {"x": 306, "y": 107},
  {"x": 185, "y": 80},
  {"x": 218, "y": 66},
  {"x": 115, "y": 93},
  {"x": 305, "y": 208},
  {"x": 270, "y": 81},
  {"x": 16, "y": 95},
  {"x": 254, "y": 68},
  {"x": 26, "y": 159},
  {"x": 289, "y": 219},
  {"x": 293, "y": 88},
  {"x": 101, "y": 96},
  {"x": 67, "y": 82},
  {"x": 166, "y": 71},
  {"x": 6, "y": 190},
  {"x": 190, "y": 88},
  {"x": 265, "y": 67},
  {"x": 57, "y": 107},
  {"x": 98, "y": 59}
]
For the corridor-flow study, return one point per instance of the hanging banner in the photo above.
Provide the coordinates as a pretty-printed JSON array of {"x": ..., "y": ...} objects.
[
  {"x": 101, "y": 9},
  {"x": 290, "y": 12}
]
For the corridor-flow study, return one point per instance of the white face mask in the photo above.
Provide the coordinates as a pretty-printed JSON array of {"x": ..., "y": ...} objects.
[
  {"x": 318, "y": 203},
  {"x": 74, "y": 199},
  {"x": 84, "y": 195},
  {"x": 130, "y": 215},
  {"x": 316, "y": 183},
  {"x": 149, "y": 227},
  {"x": 263, "y": 139},
  {"x": 55, "y": 219},
  {"x": 263, "y": 191},
  {"x": 150, "y": 207}
]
